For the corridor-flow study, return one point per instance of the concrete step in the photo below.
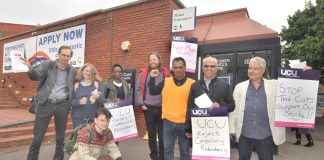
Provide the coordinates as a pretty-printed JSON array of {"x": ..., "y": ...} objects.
[
  {"x": 22, "y": 134},
  {"x": 27, "y": 139},
  {"x": 9, "y": 106},
  {"x": 24, "y": 130}
]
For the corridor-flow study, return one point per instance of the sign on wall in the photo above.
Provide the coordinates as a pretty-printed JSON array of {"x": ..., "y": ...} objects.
[
  {"x": 210, "y": 134},
  {"x": 296, "y": 98},
  {"x": 26, "y": 46},
  {"x": 185, "y": 47},
  {"x": 184, "y": 19},
  {"x": 45, "y": 47},
  {"x": 74, "y": 37},
  {"x": 122, "y": 123}
]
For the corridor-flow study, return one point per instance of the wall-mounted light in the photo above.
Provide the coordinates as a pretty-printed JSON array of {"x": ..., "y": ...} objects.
[{"x": 126, "y": 46}]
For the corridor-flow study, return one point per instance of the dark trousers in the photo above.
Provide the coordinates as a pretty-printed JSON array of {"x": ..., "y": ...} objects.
[
  {"x": 154, "y": 124},
  {"x": 308, "y": 136},
  {"x": 42, "y": 120},
  {"x": 263, "y": 147}
]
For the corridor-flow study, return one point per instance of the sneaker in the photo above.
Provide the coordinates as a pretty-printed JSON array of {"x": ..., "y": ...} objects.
[{"x": 309, "y": 144}]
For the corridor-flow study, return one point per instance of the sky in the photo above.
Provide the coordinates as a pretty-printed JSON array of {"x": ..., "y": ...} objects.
[{"x": 271, "y": 13}]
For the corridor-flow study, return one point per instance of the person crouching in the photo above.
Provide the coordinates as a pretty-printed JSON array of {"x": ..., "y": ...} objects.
[{"x": 92, "y": 146}]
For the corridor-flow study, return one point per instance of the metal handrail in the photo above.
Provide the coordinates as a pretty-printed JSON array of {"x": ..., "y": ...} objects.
[{"x": 15, "y": 81}]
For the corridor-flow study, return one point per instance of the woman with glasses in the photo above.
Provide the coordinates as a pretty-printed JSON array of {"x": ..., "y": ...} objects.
[{"x": 87, "y": 95}]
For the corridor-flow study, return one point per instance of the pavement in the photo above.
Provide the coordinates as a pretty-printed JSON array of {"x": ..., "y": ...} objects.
[{"x": 137, "y": 149}]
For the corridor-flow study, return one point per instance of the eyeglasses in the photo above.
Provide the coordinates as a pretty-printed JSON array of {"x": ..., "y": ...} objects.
[
  {"x": 65, "y": 56},
  {"x": 209, "y": 66}
]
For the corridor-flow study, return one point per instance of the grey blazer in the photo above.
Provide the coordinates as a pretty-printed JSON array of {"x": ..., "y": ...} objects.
[{"x": 48, "y": 75}]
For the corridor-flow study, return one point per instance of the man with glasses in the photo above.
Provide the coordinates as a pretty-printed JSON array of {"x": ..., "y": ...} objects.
[
  {"x": 219, "y": 92},
  {"x": 54, "y": 95}
]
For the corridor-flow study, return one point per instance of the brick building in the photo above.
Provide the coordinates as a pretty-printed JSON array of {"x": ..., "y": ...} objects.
[
  {"x": 146, "y": 24},
  {"x": 9, "y": 29}
]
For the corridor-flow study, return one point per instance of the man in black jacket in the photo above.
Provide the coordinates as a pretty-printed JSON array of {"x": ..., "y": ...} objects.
[{"x": 219, "y": 92}]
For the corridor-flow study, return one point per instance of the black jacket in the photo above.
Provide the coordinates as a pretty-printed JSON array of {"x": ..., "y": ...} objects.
[{"x": 219, "y": 91}]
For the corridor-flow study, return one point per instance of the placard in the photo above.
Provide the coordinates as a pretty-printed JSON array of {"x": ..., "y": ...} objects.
[
  {"x": 122, "y": 123},
  {"x": 17, "y": 63},
  {"x": 185, "y": 47},
  {"x": 320, "y": 105},
  {"x": 296, "y": 98},
  {"x": 210, "y": 134}
]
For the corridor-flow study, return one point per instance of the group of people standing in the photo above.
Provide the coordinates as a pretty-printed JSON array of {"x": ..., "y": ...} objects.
[{"x": 166, "y": 101}]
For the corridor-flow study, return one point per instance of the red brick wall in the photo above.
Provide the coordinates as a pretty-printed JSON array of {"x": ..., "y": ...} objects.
[
  {"x": 12, "y": 29},
  {"x": 147, "y": 26}
]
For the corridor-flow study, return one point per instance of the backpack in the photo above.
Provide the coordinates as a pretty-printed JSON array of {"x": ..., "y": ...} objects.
[{"x": 69, "y": 143}]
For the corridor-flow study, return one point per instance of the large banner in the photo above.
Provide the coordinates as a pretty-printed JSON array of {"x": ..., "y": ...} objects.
[
  {"x": 185, "y": 47},
  {"x": 296, "y": 98},
  {"x": 122, "y": 123},
  {"x": 74, "y": 37},
  {"x": 26, "y": 46},
  {"x": 210, "y": 134},
  {"x": 45, "y": 47}
]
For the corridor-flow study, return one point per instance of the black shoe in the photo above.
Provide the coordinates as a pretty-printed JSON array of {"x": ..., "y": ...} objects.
[
  {"x": 154, "y": 156},
  {"x": 309, "y": 144},
  {"x": 297, "y": 142}
]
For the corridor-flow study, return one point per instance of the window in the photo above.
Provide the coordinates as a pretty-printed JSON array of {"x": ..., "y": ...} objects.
[{"x": 226, "y": 64}]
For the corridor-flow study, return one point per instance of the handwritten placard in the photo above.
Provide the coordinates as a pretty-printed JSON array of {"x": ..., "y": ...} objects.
[
  {"x": 122, "y": 123},
  {"x": 320, "y": 105},
  {"x": 296, "y": 98},
  {"x": 17, "y": 63},
  {"x": 185, "y": 47},
  {"x": 210, "y": 135}
]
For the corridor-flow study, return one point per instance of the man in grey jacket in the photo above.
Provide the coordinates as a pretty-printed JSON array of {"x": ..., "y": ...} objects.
[{"x": 53, "y": 94}]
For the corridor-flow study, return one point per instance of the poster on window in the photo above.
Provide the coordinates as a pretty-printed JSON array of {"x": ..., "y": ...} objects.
[
  {"x": 74, "y": 37},
  {"x": 185, "y": 47},
  {"x": 26, "y": 47},
  {"x": 210, "y": 134},
  {"x": 122, "y": 123},
  {"x": 296, "y": 98}
]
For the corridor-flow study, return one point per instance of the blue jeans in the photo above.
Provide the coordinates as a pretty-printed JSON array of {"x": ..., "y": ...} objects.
[
  {"x": 263, "y": 147},
  {"x": 172, "y": 131}
]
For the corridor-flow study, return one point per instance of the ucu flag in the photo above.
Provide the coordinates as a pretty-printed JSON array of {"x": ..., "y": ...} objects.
[
  {"x": 298, "y": 74},
  {"x": 206, "y": 112},
  {"x": 289, "y": 72}
]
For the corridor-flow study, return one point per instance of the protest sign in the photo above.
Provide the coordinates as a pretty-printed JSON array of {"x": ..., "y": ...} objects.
[
  {"x": 320, "y": 105},
  {"x": 122, "y": 123},
  {"x": 210, "y": 134},
  {"x": 296, "y": 98},
  {"x": 17, "y": 62},
  {"x": 185, "y": 47}
]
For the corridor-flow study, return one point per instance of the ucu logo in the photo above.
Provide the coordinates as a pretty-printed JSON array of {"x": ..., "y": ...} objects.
[
  {"x": 199, "y": 112},
  {"x": 288, "y": 72},
  {"x": 178, "y": 38}
]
